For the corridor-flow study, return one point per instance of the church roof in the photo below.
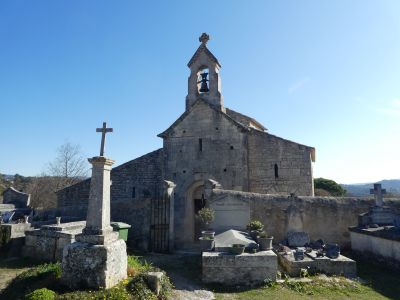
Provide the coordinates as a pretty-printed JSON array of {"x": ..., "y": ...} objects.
[
  {"x": 203, "y": 48},
  {"x": 245, "y": 120},
  {"x": 188, "y": 111}
]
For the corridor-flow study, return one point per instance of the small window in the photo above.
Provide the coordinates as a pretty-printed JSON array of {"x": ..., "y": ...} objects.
[
  {"x": 231, "y": 147},
  {"x": 276, "y": 171},
  {"x": 200, "y": 145},
  {"x": 133, "y": 192}
]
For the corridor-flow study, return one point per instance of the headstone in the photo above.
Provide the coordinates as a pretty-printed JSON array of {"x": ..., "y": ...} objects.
[
  {"x": 225, "y": 240},
  {"x": 378, "y": 192},
  {"x": 230, "y": 212},
  {"x": 298, "y": 239}
]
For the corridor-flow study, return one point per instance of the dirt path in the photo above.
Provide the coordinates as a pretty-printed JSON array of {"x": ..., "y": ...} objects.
[
  {"x": 185, "y": 273},
  {"x": 8, "y": 274}
]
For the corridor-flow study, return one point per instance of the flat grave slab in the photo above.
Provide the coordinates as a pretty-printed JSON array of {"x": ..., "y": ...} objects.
[
  {"x": 331, "y": 266},
  {"x": 224, "y": 241},
  {"x": 243, "y": 269}
]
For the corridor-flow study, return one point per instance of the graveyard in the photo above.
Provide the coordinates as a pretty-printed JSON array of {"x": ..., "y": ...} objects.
[{"x": 166, "y": 186}]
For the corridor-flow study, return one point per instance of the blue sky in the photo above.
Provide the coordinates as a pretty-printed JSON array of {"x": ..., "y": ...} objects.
[{"x": 324, "y": 74}]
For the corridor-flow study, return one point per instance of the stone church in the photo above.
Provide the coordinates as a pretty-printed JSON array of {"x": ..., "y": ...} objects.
[{"x": 208, "y": 141}]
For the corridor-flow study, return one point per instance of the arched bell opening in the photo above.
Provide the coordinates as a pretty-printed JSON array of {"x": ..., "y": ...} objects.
[{"x": 203, "y": 76}]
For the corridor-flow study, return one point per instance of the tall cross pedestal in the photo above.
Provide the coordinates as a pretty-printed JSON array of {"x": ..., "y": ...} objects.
[
  {"x": 98, "y": 258},
  {"x": 378, "y": 192}
]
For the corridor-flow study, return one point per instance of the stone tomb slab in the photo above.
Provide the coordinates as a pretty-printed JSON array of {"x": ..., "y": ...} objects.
[
  {"x": 338, "y": 266},
  {"x": 245, "y": 269},
  {"x": 381, "y": 244},
  {"x": 224, "y": 241},
  {"x": 230, "y": 213},
  {"x": 47, "y": 243},
  {"x": 298, "y": 238}
]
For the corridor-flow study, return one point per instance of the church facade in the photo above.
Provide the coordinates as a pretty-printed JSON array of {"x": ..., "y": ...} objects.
[{"x": 208, "y": 141}]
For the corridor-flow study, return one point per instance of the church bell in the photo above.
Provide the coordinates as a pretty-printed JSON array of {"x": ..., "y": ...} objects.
[{"x": 204, "y": 85}]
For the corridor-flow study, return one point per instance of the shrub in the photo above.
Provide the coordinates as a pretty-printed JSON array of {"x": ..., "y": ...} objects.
[
  {"x": 41, "y": 294},
  {"x": 330, "y": 186},
  {"x": 206, "y": 215},
  {"x": 139, "y": 289},
  {"x": 262, "y": 234},
  {"x": 255, "y": 225}
]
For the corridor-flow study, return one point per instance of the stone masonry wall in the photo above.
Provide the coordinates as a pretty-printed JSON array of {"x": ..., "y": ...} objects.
[
  {"x": 322, "y": 217},
  {"x": 133, "y": 185},
  {"x": 143, "y": 174},
  {"x": 293, "y": 161},
  {"x": 221, "y": 154}
]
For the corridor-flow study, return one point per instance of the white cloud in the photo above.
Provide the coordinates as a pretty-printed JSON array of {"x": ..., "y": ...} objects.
[{"x": 299, "y": 84}]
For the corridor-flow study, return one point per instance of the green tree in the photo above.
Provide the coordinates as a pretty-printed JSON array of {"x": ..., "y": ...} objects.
[{"x": 323, "y": 186}]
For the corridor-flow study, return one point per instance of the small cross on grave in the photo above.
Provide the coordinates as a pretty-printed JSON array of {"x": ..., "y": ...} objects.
[
  {"x": 103, "y": 131},
  {"x": 378, "y": 192}
]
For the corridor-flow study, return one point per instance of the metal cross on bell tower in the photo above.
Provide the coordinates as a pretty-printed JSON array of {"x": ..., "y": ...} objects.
[{"x": 103, "y": 131}]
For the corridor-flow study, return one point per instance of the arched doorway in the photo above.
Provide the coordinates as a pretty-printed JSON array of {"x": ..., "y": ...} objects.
[
  {"x": 199, "y": 201},
  {"x": 195, "y": 200}
]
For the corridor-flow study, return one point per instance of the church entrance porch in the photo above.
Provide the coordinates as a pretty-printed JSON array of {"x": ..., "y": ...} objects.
[{"x": 195, "y": 201}]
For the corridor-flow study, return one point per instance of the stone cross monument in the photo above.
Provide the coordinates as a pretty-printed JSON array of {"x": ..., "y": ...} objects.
[
  {"x": 97, "y": 258},
  {"x": 103, "y": 131},
  {"x": 378, "y": 192}
]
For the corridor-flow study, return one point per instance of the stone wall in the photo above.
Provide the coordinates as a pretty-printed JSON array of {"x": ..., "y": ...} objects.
[
  {"x": 135, "y": 179},
  {"x": 322, "y": 217},
  {"x": 203, "y": 145},
  {"x": 293, "y": 162}
]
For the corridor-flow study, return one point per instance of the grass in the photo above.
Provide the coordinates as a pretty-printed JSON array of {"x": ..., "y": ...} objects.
[
  {"x": 47, "y": 275},
  {"x": 377, "y": 282}
]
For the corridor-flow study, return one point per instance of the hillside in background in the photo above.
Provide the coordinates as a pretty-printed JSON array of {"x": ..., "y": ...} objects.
[{"x": 392, "y": 187}]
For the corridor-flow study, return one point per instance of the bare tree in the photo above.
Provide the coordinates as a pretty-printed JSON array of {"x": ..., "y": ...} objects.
[
  {"x": 42, "y": 189},
  {"x": 69, "y": 166}
]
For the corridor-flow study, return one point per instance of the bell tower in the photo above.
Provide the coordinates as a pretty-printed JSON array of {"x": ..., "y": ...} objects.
[{"x": 204, "y": 81}]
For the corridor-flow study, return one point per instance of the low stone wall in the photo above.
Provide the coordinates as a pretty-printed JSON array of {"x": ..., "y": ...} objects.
[
  {"x": 135, "y": 212},
  {"x": 12, "y": 237},
  {"x": 48, "y": 242},
  {"x": 380, "y": 249},
  {"x": 321, "y": 217},
  {"x": 243, "y": 269}
]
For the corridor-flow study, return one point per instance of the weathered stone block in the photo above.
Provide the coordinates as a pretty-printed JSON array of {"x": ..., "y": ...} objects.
[
  {"x": 338, "y": 266},
  {"x": 94, "y": 266},
  {"x": 244, "y": 269}
]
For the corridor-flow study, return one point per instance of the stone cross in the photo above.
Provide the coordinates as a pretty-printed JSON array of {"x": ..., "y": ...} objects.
[
  {"x": 378, "y": 192},
  {"x": 103, "y": 131},
  {"x": 204, "y": 38}
]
